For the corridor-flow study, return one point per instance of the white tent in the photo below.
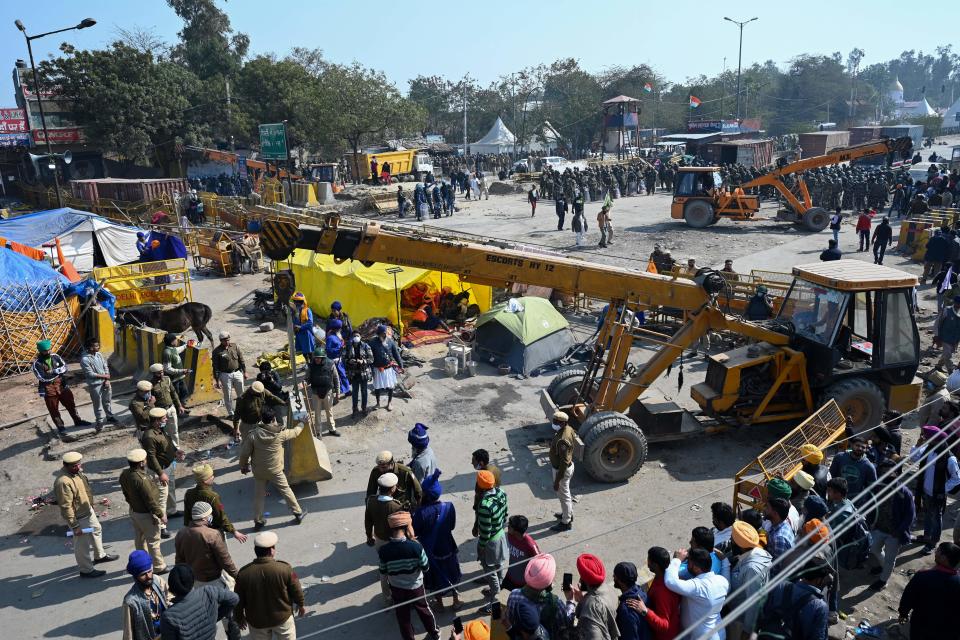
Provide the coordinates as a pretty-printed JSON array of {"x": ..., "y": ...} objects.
[
  {"x": 951, "y": 119},
  {"x": 546, "y": 140},
  {"x": 498, "y": 140},
  {"x": 87, "y": 239}
]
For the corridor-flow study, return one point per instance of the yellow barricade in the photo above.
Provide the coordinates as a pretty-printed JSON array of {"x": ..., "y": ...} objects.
[
  {"x": 136, "y": 349},
  {"x": 784, "y": 458}
]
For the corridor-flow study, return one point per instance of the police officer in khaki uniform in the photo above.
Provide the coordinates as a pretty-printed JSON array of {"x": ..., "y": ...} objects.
[
  {"x": 203, "y": 492},
  {"x": 229, "y": 373},
  {"x": 409, "y": 492},
  {"x": 140, "y": 406},
  {"x": 561, "y": 459},
  {"x": 161, "y": 454},
  {"x": 251, "y": 404},
  {"x": 166, "y": 397},
  {"x": 269, "y": 590},
  {"x": 75, "y": 498},
  {"x": 146, "y": 510},
  {"x": 265, "y": 446}
]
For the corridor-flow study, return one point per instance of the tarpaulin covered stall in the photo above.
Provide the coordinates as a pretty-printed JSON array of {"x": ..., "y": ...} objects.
[
  {"x": 88, "y": 240},
  {"x": 368, "y": 292}
]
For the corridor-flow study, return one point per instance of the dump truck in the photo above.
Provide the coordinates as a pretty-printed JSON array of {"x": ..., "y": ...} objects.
[
  {"x": 701, "y": 199},
  {"x": 844, "y": 331},
  {"x": 411, "y": 164}
]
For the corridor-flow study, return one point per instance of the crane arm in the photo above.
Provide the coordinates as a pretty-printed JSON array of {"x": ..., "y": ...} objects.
[
  {"x": 497, "y": 266},
  {"x": 847, "y": 154}
]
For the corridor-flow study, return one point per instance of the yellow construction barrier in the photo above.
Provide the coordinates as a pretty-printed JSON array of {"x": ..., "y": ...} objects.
[
  {"x": 137, "y": 348},
  {"x": 307, "y": 459},
  {"x": 163, "y": 282},
  {"x": 784, "y": 458},
  {"x": 102, "y": 329}
]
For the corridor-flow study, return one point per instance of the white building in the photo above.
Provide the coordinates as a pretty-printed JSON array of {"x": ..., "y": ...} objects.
[{"x": 907, "y": 109}]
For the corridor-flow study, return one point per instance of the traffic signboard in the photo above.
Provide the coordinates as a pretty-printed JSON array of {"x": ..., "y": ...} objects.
[{"x": 273, "y": 141}]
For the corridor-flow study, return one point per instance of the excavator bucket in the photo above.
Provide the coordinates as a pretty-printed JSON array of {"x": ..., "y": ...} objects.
[
  {"x": 307, "y": 459},
  {"x": 783, "y": 458}
]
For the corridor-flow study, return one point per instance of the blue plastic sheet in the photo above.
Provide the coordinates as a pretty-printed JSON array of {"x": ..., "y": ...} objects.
[{"x": 39, "y": 277}]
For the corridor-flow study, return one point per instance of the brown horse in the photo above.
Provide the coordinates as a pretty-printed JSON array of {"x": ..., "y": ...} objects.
[{"x": 176, "y": 319}]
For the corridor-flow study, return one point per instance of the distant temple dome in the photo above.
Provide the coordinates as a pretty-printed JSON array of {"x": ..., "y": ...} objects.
[{"x": 895, "y": 92}]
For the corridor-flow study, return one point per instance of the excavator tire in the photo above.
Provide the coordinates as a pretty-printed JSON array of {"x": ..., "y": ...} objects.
[
  {"x": 815, "y": 219},
  {"x": 698, "y": 214},
  {"x": 860, "y": 400},
  {"x": 575, "y": 373},
  {"x": 614, "y": 447}
]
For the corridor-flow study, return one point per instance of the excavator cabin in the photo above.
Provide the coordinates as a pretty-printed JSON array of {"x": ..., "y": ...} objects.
[{"x": 853, "y": 323}]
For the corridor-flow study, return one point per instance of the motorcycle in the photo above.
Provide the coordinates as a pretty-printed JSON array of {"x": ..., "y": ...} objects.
[{"x": 265, "y": 306}]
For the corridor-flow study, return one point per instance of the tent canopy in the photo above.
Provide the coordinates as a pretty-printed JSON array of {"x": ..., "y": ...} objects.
[
  {"x": 539, "y": 318},
  {"x": 497, "y": 140},
  {"x": 368, "y": 292},
  {"x": 526, "y": 340},
  {"x": 88, "y": 240}
]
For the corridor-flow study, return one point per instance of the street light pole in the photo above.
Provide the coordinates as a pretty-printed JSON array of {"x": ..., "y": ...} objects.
[
  {"x": 739, "y": 59},
  {"x": 86, "y": 22}
]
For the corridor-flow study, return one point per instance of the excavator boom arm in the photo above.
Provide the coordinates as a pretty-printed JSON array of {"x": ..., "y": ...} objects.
[
  {"x": 494, "y": 265},
  {"x": 847, "y": 154}
]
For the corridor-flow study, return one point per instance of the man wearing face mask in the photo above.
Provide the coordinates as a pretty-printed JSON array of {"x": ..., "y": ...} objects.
[
  {"x": 561, "y": 459},
  {"x": 140, "y": 406},
  {"x": 855, "y": 467},
  {"x": 358, "y": 358}
]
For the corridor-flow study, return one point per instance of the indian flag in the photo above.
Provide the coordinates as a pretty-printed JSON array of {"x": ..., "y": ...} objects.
[
  {"x": 694, "y": 102},
  {"x": 647, "y": 88}
]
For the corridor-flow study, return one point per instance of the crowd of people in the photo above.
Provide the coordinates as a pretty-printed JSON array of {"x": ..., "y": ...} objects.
[{"x": 816, "y": 530}]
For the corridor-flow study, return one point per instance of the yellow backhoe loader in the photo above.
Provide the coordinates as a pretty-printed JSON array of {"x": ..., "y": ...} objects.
[{"x": 845, "y": 331}]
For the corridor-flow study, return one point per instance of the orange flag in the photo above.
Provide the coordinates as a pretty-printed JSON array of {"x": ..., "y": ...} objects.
[
  {"x": 66, "y": 267},
  {"x": 651, "y": 267}
]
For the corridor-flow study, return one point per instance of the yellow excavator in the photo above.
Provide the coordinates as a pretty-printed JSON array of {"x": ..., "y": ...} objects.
[
  {"x": 844, "y": 331},
  {"x": 701, "y": 199}
]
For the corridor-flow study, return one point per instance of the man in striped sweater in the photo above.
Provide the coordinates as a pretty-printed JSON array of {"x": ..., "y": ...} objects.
[
  {"x": 493, "y": 551},
  {"x": 403, "y": 561}
]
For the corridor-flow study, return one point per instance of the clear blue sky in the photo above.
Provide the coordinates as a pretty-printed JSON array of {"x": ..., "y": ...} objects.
[{"x": 679, "y": 38}]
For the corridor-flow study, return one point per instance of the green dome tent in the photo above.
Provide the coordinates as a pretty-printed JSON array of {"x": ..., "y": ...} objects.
[{"x": 527, "y": 338}]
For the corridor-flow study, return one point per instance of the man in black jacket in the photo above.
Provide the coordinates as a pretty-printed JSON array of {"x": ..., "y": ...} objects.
[
  {"x": 930, "y": 599},
  {"x": 831, "y": 253},
  {"x": 882, "y": 238},
  {"x": 194, "y": 612},
  {"x": 320, "y": 375}
]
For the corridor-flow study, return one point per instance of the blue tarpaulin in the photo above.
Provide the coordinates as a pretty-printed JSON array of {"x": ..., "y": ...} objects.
[
  {"x": 170, "y": 247},
  {"x": 39, "y": 277}
]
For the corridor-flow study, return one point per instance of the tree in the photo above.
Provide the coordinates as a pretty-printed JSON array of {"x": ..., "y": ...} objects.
[
  {"x": 365, "y": 103},
  {"x": 208, "y": 45},
  {"x": 128, "y": 102},
  {"x": 435, "y": 96},
  {"x": 571, "y": 101},
  {"x": 271, "y": 90}
]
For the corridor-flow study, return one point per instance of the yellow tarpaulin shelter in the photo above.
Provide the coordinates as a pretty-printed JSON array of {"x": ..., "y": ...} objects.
[{"x": 368, "y": 292}]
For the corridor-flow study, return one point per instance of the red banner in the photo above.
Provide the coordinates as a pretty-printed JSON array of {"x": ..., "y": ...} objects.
[
  {"x": 13, "y": 121},
  {"x": 59, "y": 136}
]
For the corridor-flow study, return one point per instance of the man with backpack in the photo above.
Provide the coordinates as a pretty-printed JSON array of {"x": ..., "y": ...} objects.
[
  {"x": 853, "y": 543},
  {"x": 796, "y": 610}
]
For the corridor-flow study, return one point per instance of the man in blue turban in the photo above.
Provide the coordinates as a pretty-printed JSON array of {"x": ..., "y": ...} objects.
[
  {"x": 424, "y": 461},
  {"x": 146, "y": 600}
]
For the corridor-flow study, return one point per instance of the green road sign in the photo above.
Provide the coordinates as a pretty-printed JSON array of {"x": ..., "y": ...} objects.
[{"x": 273, "y": 141}]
